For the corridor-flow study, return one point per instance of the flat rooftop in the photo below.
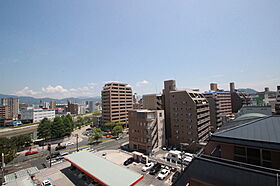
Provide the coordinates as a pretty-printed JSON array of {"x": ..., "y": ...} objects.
[{"x": 102, "y": 170}]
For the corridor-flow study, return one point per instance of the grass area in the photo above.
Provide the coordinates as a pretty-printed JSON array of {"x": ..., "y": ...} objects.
[{"x": 23, "y": 125}]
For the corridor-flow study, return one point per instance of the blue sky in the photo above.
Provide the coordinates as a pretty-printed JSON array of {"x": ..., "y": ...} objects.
[{"x": 66, "y": 48}]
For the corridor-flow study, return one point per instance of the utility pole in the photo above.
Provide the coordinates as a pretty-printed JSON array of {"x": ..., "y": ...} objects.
[
  {"x": 50, "y": 150},
  {"x": 3, "y": 165},
  {"x": 181, "y": 144},
  {"x": 77, "y": 142}
]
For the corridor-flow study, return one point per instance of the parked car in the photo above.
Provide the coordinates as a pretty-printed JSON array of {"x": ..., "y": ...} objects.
[
  {"x": 175, "y": 176},
  {"x": 128, "y": 161},
  {"x": 46, "y": 183},
  {"x": 64, "y": 153},
  {"x": 54, "y": 155},
  {"x": 155, "y": 169},
  {"x": 163, "y": 174},
  {"x": 60, "y": 147},
  {"x": 31, "y": 152},
  {"x": 69, "y": 143},
  {"x": 147, "y": 167}
]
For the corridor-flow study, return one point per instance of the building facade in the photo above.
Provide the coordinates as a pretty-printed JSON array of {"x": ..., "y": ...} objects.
[
  {"x": 4, "y": 112},
  {"x": 52, "y": 104},
  {"x": 116, "y": 102},
  {"x": 189, "y": 118},
  {"x": 146, "y": 130},
  {"x": 37, "y": 114},
  {"x": 277, "y": 105},
  {"x": 152, "y": 102},
  {"x": 13, "y": 107},
  {"x": 72, "y": 108},
  {"x": 220, "y": 107}
]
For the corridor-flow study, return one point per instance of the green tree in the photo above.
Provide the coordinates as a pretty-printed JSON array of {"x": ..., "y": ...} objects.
[
  {"x": 97, "y": 134},
  {"x": 117, "y": 130},
  {"x": 44, "y": 129},
  {"x": 21, "y": 141},
  {"x": 8, "y": 148},
  {"x": 57, "y": 128}
]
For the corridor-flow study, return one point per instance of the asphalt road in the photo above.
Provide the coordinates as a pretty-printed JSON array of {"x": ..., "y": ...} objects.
[{"x": 39, "y": 160}]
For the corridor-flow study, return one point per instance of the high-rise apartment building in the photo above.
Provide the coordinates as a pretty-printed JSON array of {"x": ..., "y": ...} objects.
[
  {"x": 169, "y": 85},
  {"x": 189, "y": 117},
  {"x": 72, "y": 108},
  {"x": 4, "y": 112},
  {"x": 238, "y": 98},
  {"x": 13, "y": 107},
  {"x": 152, "y": 102},
  {"x": 116, "y": 102},
  {"x": 146, "y": 130},
  {"x": 220, "y": 107},
  {"x": 277, "y": 105}
]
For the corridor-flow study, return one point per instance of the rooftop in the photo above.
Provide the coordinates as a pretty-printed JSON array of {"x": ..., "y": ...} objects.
[
  {"x": 260, "y": 132},
  {"x": 102, "y": 170}
]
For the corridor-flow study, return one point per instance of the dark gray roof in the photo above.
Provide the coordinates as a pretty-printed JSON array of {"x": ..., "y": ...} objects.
[
  {"x": 228, "y": 173},
  {"x": 263, "y": 132}
]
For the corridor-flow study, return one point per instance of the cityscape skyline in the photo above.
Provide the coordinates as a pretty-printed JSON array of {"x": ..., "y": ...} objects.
[{"x": 139, "y": 43}]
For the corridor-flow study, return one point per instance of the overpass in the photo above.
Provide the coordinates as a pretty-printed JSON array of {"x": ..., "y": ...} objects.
[{"x": 10, "y": 132}]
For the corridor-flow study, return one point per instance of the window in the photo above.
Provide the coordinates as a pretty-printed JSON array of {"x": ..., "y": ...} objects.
[
  {"x": 266, "y": 158},
  {"x": 240, "y": 154},
  {"x": 160, "y": 114},
  {"x": 253, "y": 156}
]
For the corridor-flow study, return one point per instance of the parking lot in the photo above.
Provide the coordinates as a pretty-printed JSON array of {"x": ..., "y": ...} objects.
[{"x": 119, "y": 157}]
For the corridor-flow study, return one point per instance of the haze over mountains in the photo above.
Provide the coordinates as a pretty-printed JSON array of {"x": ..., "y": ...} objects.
[{"x": 36, "y": 101}]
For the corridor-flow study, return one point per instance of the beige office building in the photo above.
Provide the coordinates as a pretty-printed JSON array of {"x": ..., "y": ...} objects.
[
  {"x": 13, "y": 107},
  {"x": 116, "y": 102},
  {"x": 146, "y": 130},
  {"x": 53, "y": 105}
]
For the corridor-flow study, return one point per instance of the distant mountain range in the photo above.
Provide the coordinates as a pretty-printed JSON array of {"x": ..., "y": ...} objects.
[
  {"x": 248, "y": 90},
  {"x": 36, "y": 101}
]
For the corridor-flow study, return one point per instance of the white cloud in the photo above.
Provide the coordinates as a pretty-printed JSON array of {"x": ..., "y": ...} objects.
[
  {"x": 56, "y": 89},
  {"x": 141, "y": 83},
  {"x": 59, "y": 92},
  {"x": 26, "y": 91}
]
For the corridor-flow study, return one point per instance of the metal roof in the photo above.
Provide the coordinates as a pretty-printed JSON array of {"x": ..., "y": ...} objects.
[
  {"x": 102, "y": 170},
  {"x": 256, "y": 115},
  {"x": 225, "y": 172},
  {"x": 262, "y": 132}
]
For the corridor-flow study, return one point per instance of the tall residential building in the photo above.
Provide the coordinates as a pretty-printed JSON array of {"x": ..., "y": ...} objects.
[
  {"x": 189, "y": 118},
  {"x": 116, "y": 102},
  {"x": 146, "y": 130},
  {"x": 152, "y": 102},
  {"x": 169, "y": 85},
  {"x": 4, "y": 111},
  {"x": 53, "y": 105},
  {"x": 13, "y": 107},
  {"x": 220, "y": 107},
  {"x": 238, "y": 99},
  {"x": 72, "y": 108},
  {"x": 277, "y": 105}
]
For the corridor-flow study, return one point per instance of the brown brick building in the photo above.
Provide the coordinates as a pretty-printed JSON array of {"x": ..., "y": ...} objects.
[
  {"x": 187, "y": 116},
  {"x": 116, "y": 102}
]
